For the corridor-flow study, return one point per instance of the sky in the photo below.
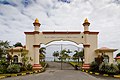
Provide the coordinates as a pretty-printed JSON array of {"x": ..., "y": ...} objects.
[{"x": 17, "y": 16}]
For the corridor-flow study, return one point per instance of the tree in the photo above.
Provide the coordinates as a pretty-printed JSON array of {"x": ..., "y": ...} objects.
[
  {"x": 118, "y": 55},
  {"x": 18, "y": 44},
  {"x": 42, "y": 50},
  {"x": 64, "y": 54},
  {"x": 74, "y": 57},
  {"x": 9, "y": 58},
  {"x": 42, "y": 53},
  {"x": 42, "y": 57},
  {"x": 68, "y": 51},
  {"x": 24, "y": 56},
  {"x": 79, "y": 54},
  {"x": 55, "y": 54},
  {"x": 24, "y": 59},
  {"x": 4, "y": 45}
]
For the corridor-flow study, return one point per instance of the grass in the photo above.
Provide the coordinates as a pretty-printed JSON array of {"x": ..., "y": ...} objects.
[{"x": 76, "y": 63}]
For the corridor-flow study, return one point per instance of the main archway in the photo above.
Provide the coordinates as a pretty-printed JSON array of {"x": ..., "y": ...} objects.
[
  {"x": 58, "y": 46},
  {"x": 87, "y": 38},
  {"x": 61, "y": 49}
]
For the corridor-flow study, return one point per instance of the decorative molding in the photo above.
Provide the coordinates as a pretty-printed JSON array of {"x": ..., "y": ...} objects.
[
  {"x": 88, "y": 32},
  {"x": 36, "y": 24},
  {"x": 36, "y": 45},
  {"x": 17, "y": 50},
  {"x": 35, "y": 32},
  {"x": 37, "y": 67},
  {"x": 86, "y": 45},
  {"x": 61, "y": 32},
  {"x": 93, "y": 32},
  {"x": 86, "y": 66}
]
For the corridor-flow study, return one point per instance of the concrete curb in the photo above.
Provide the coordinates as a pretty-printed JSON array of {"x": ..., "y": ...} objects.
[
  {"x": 24, "y": 73},
  {"x": 1, "y": 77},
  {"x": 105, "y": 75}
]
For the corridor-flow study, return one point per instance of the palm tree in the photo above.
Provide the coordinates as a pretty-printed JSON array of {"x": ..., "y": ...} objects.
[
  {"x": 68, "y": 51},
  {"x": 42, "y": 57},
  {"x": 4, "y": 45},
  {"x": 42, "y": 50},
  {"x": 42, "y": 53},
  {"x": 55, "y": 54},
  {"x": 79, "y": 54},
  {"x": 62, "y": 54},
  {"x": 65, "y": 56},
  {"x": 75, "y": 57},
  {"x": 69, "y": 57}
]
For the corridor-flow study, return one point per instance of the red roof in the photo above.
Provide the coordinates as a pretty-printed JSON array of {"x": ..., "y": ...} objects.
[
  {"x": 117, "y": 57},
  {"x": 105, "y": 49}
]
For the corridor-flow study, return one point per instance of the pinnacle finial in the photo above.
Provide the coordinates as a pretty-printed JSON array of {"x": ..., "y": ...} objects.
[
  {"x": 36, "y": 20},
  {"x": 86, "y": 20}
]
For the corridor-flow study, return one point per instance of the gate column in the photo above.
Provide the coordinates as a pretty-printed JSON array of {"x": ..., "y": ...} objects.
[
  {"x": 86, "y": 64},
  {"x": 36, "y": 65},
  {"x": 36, "y": 45}
]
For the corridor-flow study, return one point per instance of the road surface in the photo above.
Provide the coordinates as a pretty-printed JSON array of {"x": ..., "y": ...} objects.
[{"x": 54, "y": 72}]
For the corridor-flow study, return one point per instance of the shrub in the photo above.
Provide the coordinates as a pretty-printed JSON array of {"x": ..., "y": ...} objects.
[
  {"x": 23, "y": 68},
  {"x": 2, "y": 69},
  {"x": 94, "y": 66},
  {"x": 118, "y": 65},
  {"x": 104, "y": 67},
  {"x": 29, "y": 67},
  {"x": 108, "y": 68},
  {"x": 113, "y": 69},
  {"x": 3, "y": 66},
  {"x": 13, "y": 68},
  {"x": 42, "y": 64}
]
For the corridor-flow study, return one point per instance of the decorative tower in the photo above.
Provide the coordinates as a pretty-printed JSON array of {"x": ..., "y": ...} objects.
[
  {"x": 36, "y": 45},
  {"x": 86, "y": 45},
  {"x": 37, "y": 25},
  {"x": 86, "y": 25}
]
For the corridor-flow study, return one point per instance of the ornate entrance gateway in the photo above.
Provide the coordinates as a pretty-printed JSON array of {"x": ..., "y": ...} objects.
[{"x": 87, "y": 38}]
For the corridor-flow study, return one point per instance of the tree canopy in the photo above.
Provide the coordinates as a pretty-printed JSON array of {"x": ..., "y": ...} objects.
[
  {"x": 79, "y": 54},
  {"x": 118, "y": 55},
  {"x": 18, "y": 44},
  {"x": 4, "y": 45},
  {"x": 42, "y": 50}
]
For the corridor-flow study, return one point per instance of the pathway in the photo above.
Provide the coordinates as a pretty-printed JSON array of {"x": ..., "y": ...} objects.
[{"x": 54, "y": 73}]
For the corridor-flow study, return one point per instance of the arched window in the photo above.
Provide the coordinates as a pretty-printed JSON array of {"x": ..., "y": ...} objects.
[
  {"x": 15, "y": 59},
  {"x": 106, "y": 58}
]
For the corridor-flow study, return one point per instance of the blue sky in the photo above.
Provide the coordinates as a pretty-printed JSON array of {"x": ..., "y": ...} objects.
[{"x": 17, "y": 16}]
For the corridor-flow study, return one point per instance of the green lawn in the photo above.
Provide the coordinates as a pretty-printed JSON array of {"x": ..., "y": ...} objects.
[{"x": 76, "y": 63}]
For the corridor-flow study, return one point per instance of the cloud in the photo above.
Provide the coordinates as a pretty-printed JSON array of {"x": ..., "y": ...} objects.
[{"x": 17, "y": 16}]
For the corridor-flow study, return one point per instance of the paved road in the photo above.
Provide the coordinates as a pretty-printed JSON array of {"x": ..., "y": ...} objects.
[{"x": 54, "y": 73}]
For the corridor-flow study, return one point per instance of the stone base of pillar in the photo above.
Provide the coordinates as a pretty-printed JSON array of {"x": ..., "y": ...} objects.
[
  {"x": 37, "y": 67},
  {"x": 86, "y": 66}
]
